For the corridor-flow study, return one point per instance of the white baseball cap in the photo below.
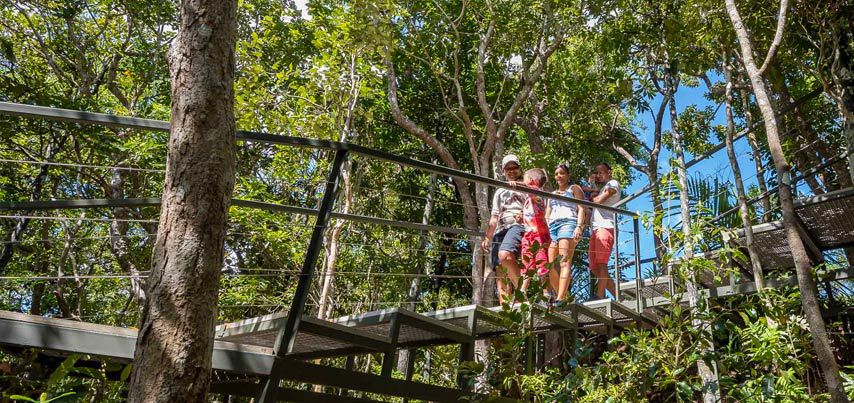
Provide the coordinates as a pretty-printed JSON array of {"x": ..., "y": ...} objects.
[{"x": 508, "y": 159}]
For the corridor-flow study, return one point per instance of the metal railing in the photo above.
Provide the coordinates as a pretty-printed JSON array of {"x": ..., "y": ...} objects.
[{"x": 286, "y": 336}]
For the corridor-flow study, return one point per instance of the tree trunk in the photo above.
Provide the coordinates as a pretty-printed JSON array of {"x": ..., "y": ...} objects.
[
  {"x": 172, "y": 362},
  {"x": 119, "y": 244},
  {"x": 806, "y": 282},
  {"x": 711, "y": 390},
  {"x": 420, "y": 268},
  {"x": 814, "y": 148},
  {"x": 755, "y": 263},
  {"x": 757, "y": 156},
  {"x": 324, "y": 310},
  {"x": 843, "y": 79},
  {"x": 38, "y": 293},
  {"x": 347, "y": 117},
  {"x": 35, "y": 194}
]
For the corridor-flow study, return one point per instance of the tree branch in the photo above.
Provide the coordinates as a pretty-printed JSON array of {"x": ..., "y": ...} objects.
[{"x": 778, "y": 36}]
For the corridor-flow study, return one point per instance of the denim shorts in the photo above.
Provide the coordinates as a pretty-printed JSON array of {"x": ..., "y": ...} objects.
[
  {"x": 562, "y": 228},
  {"x": 509, "y": 239}
]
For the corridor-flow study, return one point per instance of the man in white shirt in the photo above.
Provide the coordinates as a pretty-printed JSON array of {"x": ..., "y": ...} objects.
[
  {"x": 602, "y": 224},
  {"x": 506, "y": 219}
]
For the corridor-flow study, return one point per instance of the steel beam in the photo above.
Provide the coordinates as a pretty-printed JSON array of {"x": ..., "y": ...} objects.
[
  {"x": 115, "y": 343},
  {"x": 638, "y": 279},
  {"x": 744, "y": 288},
  {"x": 300, "y": 371},
  {"x": 617, "y": 278},
  {"x": 287, "y": 334},
  {"x": 247, "y": 389},
  {"x": 813, "y": 250},
  {"x": 390, "y": 355}
]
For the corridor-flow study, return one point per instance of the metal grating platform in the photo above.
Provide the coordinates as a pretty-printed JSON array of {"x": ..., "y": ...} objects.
[
  {"x": 829, "y": 218},
  {"x": 650, "y": 287},
  {"x": 316, "y": 338},
  {"x": 825, "y": 222}
]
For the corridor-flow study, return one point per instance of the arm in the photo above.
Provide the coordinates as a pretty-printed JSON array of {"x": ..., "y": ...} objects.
[
  {"x": 582, "y": 212},
  {"x": 493, "y": 223},
  {"x": 548, "y": 210},
  {"x": 604, "y": 195},
  {"x": 490, "y": 231}
]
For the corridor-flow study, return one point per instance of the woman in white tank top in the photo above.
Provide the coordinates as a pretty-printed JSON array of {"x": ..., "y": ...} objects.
[{"x": 563, "y": 218}]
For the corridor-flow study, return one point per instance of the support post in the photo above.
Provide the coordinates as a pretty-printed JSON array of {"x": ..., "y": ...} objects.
[
  {"x": 390, "y": 356},
  {"x": 349, "y": 364},
  {"x": 467, "y": 352},
  {"x": 616, "y": 257},
  {"x": 410, "y": 368},
  {"x": 638, "y": 279},
  {"x": 287, "y": 334}
]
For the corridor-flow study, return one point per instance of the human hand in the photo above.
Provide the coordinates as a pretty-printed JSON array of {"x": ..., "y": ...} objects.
[
  {"x": 520, "y": 219},
  {"x": 485, "y": 244},
  {"x": 576, "y": 235},
  {"x": 512, "y": 184}
]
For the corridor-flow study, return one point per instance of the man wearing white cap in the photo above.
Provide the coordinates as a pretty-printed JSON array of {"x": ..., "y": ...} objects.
[{"x": 507, "y": 240}]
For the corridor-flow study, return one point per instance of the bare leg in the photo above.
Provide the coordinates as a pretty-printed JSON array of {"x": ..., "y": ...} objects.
[
  {"x": 567, "y": 252},
  {"x": 511, "y": 266},
  {"x": 499, "y": 281},
  {"x": 554, "y": 275},
  {"x": 603, "y": 279}
]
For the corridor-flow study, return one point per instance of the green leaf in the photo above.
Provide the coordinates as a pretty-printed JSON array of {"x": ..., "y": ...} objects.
[
  {"x": 62, "y": 370},
  {"x": 126, "y": 373}
]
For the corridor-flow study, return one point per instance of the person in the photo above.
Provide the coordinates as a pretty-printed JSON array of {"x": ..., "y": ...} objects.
[
  {"x": 564, "y": 219},
  {"x": 536, "y": 239},
  {"x": 602, "y": 224},
  {"x": 503, "y": 236}
]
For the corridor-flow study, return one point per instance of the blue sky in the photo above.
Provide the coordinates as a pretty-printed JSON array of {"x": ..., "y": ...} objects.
[{"x": 716, "y": 165}]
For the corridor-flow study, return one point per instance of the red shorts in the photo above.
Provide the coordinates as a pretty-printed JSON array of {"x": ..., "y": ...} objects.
[
  {"x": 535, "y": 260},
  {"x": 601, "y": 243}
]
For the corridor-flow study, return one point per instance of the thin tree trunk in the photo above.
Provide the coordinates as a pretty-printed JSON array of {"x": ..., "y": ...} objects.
[
  {"x": 757, "y": 156},
  {"x": 35, "y": 194},
  {"x": 843, "y": 79},
  {"x": 38, "y": 293},
  {"x": 64, "y": 257},
  {"x": 324, "y": 305},
  {"x": 421, "y": 268},
  {"x": 756, "y": 265},
  {"x": 711, "y": 390},
  {"x": 172, "y": 362},
  {"x": 815, "y": 149},
  {"x": 806, "y": 282},
  {"x": 345, "y": 129},
  {"x": 119, "y": 242}
]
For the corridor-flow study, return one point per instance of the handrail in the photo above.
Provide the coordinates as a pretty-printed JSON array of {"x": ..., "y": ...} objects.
[
  {"x": 155, "y": 202},
  {"x": 70, "y": 115}
]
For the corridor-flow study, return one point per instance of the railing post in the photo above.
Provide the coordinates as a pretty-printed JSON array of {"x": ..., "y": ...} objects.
[
  {"x": 616, "y": 256},
  {"x": 638, "y": 278},
  {"x": 286, "y": 336}
]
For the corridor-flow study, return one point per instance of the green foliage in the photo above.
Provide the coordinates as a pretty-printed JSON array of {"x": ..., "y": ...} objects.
[
  {"x": 43, "y": 398},
  {"x": 324, "y": 77}
]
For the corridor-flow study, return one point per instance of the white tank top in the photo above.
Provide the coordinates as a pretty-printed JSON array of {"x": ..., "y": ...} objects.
[{"x": 562, "y": 209}]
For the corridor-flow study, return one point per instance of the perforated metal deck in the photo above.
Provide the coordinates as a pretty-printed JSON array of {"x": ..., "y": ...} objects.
[{"x": 825, "y": 222}]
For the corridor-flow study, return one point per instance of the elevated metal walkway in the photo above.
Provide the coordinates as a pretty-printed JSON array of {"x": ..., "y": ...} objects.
[{"x": 253, "y": 354}]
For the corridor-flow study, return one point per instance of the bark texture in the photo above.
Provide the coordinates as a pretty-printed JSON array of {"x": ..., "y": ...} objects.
[
  {"x": 744, "y": 212},
  {"x": 708, "y": 373},
  {"x": 843, "y": 80},
  {"x": 806, "y": 282},
  {"x": 173, "y": 352}
]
